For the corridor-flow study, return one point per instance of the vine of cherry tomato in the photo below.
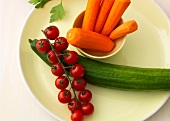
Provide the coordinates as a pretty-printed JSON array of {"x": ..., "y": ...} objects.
[
  {"x": 87, "y": 108},
  {"x": 64, "y": 96},
  {"x": 85, "y": 95},
  {"x": 61, "y": 82},
  {"x": 61, "y": 43},
  {"x": 79, "y": 84},
  {"x": 51, "y": 32},
  {"x": 52, "y": 57},
  {"x": 71, "y": 57},
  {"x": 77, "y": 115},
  {"x": 57, "y": 69},
  {"x": 77, "y": 71},
  {"x": 74, "y": 104},
  {"x": 77, "y": 100},
  {"x": 43, "y": 45}
]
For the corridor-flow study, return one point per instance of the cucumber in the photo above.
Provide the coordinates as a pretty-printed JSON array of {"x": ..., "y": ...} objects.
[{"x": 119, "y": 76}]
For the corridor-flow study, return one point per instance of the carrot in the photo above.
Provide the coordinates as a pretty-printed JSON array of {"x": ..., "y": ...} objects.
[
  {"x": 90, "y": 15},
  {"x": 90, "y": 40},
  {"x": 124, "y": 29},
  {"x": 115, "y": 14},
  {"x": 103, "y": 14}
]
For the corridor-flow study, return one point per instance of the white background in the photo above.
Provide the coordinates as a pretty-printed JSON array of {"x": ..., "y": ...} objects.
[{"x": 16, "y": 104}]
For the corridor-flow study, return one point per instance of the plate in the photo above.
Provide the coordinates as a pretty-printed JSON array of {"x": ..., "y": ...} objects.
[{"x": 147, "y": 47}]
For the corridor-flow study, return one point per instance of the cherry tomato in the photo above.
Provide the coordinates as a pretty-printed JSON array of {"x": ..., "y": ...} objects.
[
  {"x": 43, "y": 45},
  {"x": 61, "y": 43},
  {"x": 64, "y": 96},
  {"x": 51, "y": 32},
  {"x": 85, "y": 95},
  {"x": 77, "y": 71},
  {"x": 77, "y": 115},
  {"x": 87, "y": 108},
  {"x": 61, "y": 82},
  {"x": 74, "y": 104},
  {"x": 71, "y": 57},
  {"x": 52, "y": 57},
  {"x": 79, "y": 84},
  {"x": 57, "y": 69}
]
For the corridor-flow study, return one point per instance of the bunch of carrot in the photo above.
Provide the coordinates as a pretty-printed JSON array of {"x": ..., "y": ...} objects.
[{"x": 99, "y": 27}]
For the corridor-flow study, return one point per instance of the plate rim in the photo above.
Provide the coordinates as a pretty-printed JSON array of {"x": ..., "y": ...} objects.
[{"x": 21, "y": 70}]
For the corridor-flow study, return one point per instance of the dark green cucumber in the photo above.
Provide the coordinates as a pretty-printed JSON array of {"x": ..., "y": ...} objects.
[{"x": 120, "y": 76}]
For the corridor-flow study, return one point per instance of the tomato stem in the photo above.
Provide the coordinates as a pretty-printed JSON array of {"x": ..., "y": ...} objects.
[
  {"x": 75, "y": 105},
  {"x": 62, "y": 66},
  {"x": 69, "y": 67}
]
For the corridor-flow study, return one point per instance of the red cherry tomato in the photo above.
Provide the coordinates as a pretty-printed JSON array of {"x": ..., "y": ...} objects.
[
  {"x": 77, "y": 115},
  {"x": 61, "y": 82},
  {"x": 57, "y": 69},
  {"x": 61, "y": 43},
  {"x": 64, "y": 96},
  {"x": 87, "y": 108},
  {"x": 79, "y": 84},
  {"x": 74, "y": 104},
  {"x": 71, "y": 57},
  {"x": 77, "y": 71},
  {"x": 43, "y": 45},
  {"x": 51, "y": 32},
  {"x": 52, "y": 57},
  {"x": 85, "y": 95}
]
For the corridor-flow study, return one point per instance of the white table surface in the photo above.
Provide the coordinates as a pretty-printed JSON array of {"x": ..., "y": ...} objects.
[{"x": 16, "y": 104}]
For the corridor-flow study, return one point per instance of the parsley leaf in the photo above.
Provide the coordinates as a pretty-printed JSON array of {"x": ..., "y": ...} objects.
[
  {"x": 34, "y": 1},
  {"x": 39, "y": 3},
  {"x": 57, "y": 12}
]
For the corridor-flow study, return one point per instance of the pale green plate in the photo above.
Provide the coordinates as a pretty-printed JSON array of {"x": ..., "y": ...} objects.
[{"x": 147, "y": 47}]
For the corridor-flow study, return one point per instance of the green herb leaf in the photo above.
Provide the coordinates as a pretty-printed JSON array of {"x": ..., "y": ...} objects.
[
  {"x": 34, "y": 2},
  {"x": 39, "y": 3},
  {"x": 57, "y": 12}
]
